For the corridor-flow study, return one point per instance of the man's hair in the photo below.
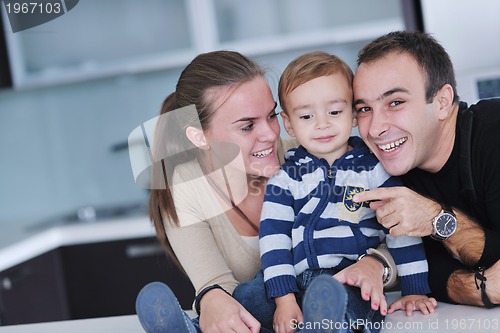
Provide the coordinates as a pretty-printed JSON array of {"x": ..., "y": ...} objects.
[
  {"x": 427, "y": 52},
  {"x": 310, "y": 66}
]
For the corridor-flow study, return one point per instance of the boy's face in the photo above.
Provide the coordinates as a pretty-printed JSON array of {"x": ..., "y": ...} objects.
[{"x": 319, "y": 115}]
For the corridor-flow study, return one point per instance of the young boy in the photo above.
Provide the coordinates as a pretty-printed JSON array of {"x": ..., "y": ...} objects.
[{"x": 309, "y": 223}]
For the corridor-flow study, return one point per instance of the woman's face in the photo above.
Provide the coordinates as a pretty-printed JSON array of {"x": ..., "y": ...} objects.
[{"x": 247, "y": 118}]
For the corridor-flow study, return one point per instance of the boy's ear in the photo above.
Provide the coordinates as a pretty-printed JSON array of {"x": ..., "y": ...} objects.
[
  {"x": 354, "y": 119},
  {"x": 197, "y": 137},
  {"x": 444, "y": 98},
  {"x": 287, "y": 124}
]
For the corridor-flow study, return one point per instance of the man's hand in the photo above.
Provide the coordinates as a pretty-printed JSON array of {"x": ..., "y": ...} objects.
[
  {"x": 411, "y": 303},
  {"x": 366, "y": 274},
  {"x": 401, "y": 210}
]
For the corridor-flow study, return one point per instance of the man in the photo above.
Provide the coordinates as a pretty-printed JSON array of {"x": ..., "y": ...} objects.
[{"x": 410, "y": 117}]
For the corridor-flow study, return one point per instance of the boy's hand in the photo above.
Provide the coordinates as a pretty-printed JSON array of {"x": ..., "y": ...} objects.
[
  {"x": 412, "y": 303},
  {"x": 287, "y": 313}
]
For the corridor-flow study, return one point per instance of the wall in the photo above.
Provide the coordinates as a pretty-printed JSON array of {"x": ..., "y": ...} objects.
[
  {"x": 56, "y": 144},
  {"x": 469, "y": 32},
  {"x": 55, "y": 141}
]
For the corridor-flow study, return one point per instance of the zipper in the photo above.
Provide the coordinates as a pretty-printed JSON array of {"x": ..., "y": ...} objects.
[{"x": 312, "y": 259}]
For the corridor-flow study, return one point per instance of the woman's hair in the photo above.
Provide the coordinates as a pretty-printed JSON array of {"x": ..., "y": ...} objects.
[
  {"x": 427, "y": 52},
  {"x": 310, "y": 66},
  {"x": 196, "y": 87}
]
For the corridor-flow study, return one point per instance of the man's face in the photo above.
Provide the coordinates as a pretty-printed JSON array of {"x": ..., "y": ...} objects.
[{"x": 394, "y": 118}]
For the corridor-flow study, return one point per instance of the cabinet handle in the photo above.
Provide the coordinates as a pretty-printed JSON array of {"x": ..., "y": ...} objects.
[
  {"x": 15, "y": 278},
  {"x": 6, "y": 283},
  {"x": 143, "y": 250}
]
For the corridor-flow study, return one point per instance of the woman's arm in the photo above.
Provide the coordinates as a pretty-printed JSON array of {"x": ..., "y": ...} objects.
[{"x": 201, "y": 258}]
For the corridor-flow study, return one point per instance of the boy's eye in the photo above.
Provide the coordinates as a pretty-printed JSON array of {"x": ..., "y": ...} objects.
[
  {"x": 334, "y": 113},
  {"x": 305, "y": 117},
  {"x": 273, "y": 115}
]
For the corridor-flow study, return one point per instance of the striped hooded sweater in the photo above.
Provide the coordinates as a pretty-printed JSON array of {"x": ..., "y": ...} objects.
[{"x": 309, "y": 220}]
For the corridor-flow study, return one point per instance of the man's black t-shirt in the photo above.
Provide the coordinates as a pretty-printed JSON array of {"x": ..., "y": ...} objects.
[{"x": 445, "y": 186}]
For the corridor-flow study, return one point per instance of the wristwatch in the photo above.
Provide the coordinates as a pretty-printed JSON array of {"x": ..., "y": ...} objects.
[
  {"x": 387, "y": 269},
  {"x": 444, "y": 225}
]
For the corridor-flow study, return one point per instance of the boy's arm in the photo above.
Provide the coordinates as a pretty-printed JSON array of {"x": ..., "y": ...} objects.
[{"x": 413, "y": 270}]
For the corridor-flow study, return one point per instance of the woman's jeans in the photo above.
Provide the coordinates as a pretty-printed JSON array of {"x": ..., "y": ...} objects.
[{"x": 252, "y": 295}]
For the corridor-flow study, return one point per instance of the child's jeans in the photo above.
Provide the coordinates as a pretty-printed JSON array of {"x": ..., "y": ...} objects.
[{"x": 252, "y": 295}]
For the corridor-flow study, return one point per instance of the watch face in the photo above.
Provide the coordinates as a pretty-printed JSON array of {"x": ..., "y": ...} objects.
[{"x": 446, "y": 225}]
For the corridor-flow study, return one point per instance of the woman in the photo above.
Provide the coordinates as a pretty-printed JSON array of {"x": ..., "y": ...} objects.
[{"x": 216, "y": 152}]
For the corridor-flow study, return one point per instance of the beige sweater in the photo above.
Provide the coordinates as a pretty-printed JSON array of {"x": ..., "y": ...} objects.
[{"x": 206, "y": 243}]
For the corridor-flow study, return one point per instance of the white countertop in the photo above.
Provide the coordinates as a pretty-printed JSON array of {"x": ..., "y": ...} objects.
[
  {"x": 447, "y": 318},
  {"x": 21, "y": 247}
]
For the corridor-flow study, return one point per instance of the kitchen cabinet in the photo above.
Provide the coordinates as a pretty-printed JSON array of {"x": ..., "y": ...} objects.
[
  {"x": 103, "y": 279},
  {"x": 98, "y": 39},
  {"x": 5, "y": 79},
  {"x": 262, "y": 27},
  {"x": 87, "y": 281},
  {"x": 33, "y": 291},
  {"x": 103, "y": 38}
]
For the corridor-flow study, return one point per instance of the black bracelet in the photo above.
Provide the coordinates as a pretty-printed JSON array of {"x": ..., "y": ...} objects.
[
  {"x": 479, "y": 275},
  {"x": 202, "y": 293}
]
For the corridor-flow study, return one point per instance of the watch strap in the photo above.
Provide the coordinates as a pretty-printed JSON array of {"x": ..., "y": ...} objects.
[
  {"x": 383, "y": 252},
  {"x": 202, "y": 293},
  {"x": 387, "y": 268}
]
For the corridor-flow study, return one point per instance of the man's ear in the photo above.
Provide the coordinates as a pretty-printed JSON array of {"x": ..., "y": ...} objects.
[
  {"x": 287, "y": 124},
  {"x": 197, "y": 137},
  {"x": 444, "y": 98}
]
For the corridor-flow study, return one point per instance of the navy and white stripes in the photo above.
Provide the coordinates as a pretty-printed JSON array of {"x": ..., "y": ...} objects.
[{"x": 309, "y": 221}]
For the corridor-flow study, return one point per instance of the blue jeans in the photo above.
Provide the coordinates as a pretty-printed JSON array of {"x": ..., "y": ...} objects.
[
  {"x": 252, "y": 295},
  {"x": 358, "y": 310}
]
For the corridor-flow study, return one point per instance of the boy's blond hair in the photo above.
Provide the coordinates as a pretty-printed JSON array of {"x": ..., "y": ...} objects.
[{"x": 310, "y": 66}]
